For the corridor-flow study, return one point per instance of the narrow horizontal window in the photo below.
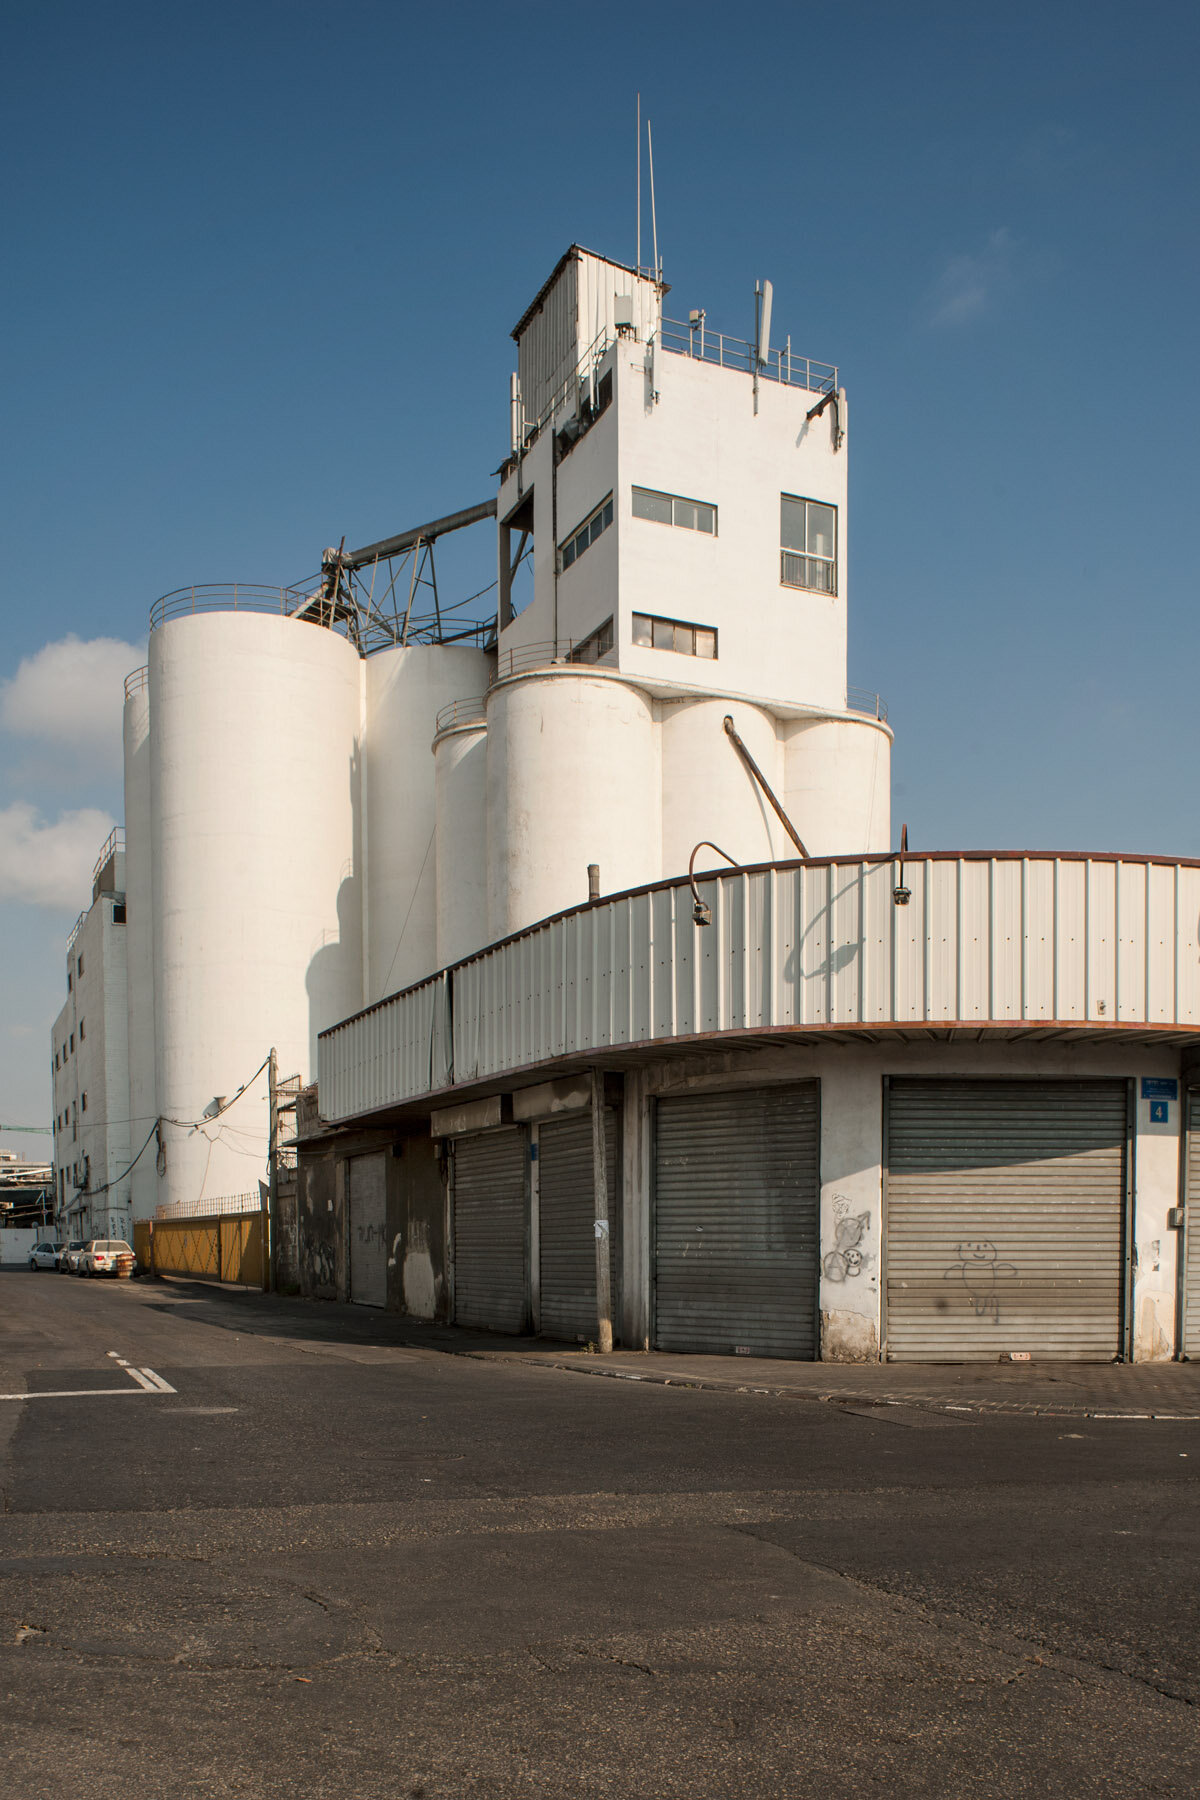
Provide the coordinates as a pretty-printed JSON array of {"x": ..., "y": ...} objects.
[
  {"x": 585, "y": 535},
  {"x": 674, "y": 634},
  {"x": 672, "y": 509}
]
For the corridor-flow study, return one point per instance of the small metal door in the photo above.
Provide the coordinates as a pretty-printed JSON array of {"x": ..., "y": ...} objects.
[
  {"x": 367, "y": 1234},
  {"x": 491, "y": 1287}
]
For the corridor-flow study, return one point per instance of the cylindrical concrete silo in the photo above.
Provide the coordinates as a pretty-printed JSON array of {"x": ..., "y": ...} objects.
[
  {"x": 406, "y": 688},
  {"x": 573, "y": 779},
  {"x": 139, "y": 940},
  {"x": 838, "y": 784},
  {"x": 707, "y": 790},
  {"x": 255, "y": 768},
  {"x": 460, "y": 767}
]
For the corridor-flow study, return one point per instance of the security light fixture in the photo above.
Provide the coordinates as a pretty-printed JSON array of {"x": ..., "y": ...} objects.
[
  {"x": 901, "y": 894},
  {"x": 701, "y": 911}
]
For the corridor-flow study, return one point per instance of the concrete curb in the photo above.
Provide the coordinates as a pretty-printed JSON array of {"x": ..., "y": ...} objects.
[{"x": 923, "y": 1402}]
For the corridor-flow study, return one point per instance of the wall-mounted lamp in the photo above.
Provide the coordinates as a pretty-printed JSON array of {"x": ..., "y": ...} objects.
[
  {"x": 901, "y": 894},
  {"x": 701, "y": 911}
]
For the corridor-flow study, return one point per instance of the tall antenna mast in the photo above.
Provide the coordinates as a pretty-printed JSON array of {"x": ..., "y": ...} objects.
[
  {"x": 638, "y": 264},
  {"x": 653, "y": 214}
]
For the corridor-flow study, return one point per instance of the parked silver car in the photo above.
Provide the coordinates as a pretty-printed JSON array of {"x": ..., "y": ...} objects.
[
  {"x": 68, "y": 1262},
  {"x": 106, "y": 1256},
  {"x": 45, "y": 1255}
]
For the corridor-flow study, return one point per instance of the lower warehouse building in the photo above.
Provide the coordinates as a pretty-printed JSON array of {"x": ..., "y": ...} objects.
[{"x": 962, "y": 1128}]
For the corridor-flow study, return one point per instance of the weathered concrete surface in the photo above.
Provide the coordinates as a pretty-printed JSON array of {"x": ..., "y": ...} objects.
[{"x": 335, "y": 1564}]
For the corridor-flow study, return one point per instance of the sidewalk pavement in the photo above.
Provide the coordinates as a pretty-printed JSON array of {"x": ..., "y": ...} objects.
[{"x": 1162, "y": 1390}]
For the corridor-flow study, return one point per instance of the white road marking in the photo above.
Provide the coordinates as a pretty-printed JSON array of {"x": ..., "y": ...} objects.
[
  {"x": 146, "y": 1379},
  {"x": 77, "y": 1393},
  {"x": 163, "y": 1387}
]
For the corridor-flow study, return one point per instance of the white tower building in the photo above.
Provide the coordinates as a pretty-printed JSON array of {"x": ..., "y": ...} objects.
[{"x": 681, "y": 497}]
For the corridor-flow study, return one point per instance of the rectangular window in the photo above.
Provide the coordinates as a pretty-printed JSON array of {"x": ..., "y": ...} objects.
[
  {"x": 83, "y": 1100},
  {"x": 808, "y": 540},
  {"x": 70, "y": 983},
  {"x": 585, "y": 535},
  {"x": 82, "y": 1032},
  {"x": 674, "y": 634},
  {"x": 670, "y": 509},
  {"x": 72, "y": 1042},
  {"x": 118, "y": 912},
  {"x": 598, "y": 643},
  {"x": 79, "y": 966}
]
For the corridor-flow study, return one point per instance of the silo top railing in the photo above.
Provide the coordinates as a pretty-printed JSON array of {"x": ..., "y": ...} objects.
[{"x": 225, "y": 596}]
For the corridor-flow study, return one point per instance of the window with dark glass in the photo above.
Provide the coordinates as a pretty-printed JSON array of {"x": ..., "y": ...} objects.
[
  {"x": 585, "y": 535},
  {"x": 674, "y": 634},
  {"x": 598, "y": 643},
  {"x": 672, "y": 509}
]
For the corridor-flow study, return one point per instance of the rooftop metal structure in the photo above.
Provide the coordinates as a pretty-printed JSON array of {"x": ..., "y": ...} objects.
[{"x": 383, "y": 594}]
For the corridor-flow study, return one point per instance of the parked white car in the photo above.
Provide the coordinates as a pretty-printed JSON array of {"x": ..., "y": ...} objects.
[
  {"x": 106, "y": 1256},
  {"x": 45, "y": 1255},
  {"x": 68, "y": 1262}
]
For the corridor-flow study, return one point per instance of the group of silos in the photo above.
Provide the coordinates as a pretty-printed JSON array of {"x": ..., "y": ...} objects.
[{"x": 294, "y": 851}]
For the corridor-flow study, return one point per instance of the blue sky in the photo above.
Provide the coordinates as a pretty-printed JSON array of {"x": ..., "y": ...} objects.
[{"x": 261, "y": 265}]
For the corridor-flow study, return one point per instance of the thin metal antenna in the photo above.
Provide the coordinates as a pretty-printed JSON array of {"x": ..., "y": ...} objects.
[
  {"x": 638, "y": 264},
  {"x": 653, "y": 214}
]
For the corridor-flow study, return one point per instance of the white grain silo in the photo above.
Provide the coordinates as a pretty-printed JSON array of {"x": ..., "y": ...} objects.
[
  {"x": 139, "y": 932},
  {"x": 255, "y": 770},
  {"x": 573, "y": 779},
  {"x": 709, "y": 793},
  {"x": 405, "y": 689},
  {"x": 837, "y": 784},
  {"x": 460, "y": 768}
]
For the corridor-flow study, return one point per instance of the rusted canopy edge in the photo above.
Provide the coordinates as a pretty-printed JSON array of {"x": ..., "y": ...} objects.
[{"x": 420, "y": 534}]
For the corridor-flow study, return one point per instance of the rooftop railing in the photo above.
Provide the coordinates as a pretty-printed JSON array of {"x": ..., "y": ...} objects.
[
  {"x": 861, "y": 700},
  {"x": 784, "y": 365},
  {"x": 113, "y": 842},
  {"x": 225, "y": 596},
  {"x": 460, "y": 712},
  {"x": 137, "y": 680}
]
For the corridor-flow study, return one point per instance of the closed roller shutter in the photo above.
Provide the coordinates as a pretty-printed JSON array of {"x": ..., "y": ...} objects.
[
  {"x": 1005, "y": 1219},
  {"x": 368, "y": 1230},
  {"x": 735, "y": 1222},
  {"x": 1191, "y": 1218},
  {"x": 566, "y": 1225},
  {"x": 489, "y": 1231}
]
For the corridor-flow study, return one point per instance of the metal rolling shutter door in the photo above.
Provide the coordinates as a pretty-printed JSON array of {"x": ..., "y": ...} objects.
[
  {"x": 489, "y": 1231},
  {"x": 566, "y": 1225},
  {"x": 1005, "y": 1219},
  {"x": 737, "y": 1185},
  {"x": 368, "y": 1230},
  {"x": 1191, "y": 1217}
]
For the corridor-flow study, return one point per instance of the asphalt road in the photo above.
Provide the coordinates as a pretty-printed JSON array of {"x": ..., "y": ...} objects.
[{"x": 327, "y": 1566}]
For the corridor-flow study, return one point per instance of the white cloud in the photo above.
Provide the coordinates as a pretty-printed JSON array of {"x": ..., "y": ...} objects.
[
  {"x": 970, "y": 283},
  {"x": 50, "y": 864},
  {"x": 69, "y": 695}
]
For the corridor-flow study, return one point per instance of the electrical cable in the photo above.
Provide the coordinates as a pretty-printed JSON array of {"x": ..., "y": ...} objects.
[{"x": 124, "y": 1172}]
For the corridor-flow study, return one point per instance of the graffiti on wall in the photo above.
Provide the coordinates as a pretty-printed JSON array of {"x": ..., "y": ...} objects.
[
  {"x": 846, "y": 1260},
  {"x": 981, "y": 1272}
]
